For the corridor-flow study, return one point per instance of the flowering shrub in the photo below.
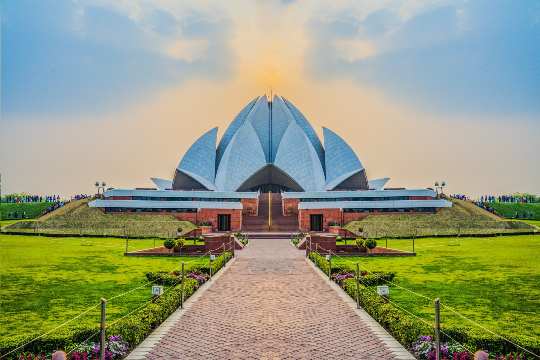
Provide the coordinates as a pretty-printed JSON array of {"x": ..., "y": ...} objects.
[
  {"x": 424, "y": 348},
  {"x": 115, "y": 348},
  {"x": 339, "y": 277},
  {"x": 199, "y": 276}
]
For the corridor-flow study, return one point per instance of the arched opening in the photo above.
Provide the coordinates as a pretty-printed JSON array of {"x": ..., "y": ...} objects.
[
  {"x": 185, "y": 182},
  {"x": 357, "y": 181},
  {"x": 270, "y": 178}
]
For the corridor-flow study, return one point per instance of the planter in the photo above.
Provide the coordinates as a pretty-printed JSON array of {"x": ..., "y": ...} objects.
[
  {"x": 205, "y": 229},
  {"x": 334, "y": 229}
]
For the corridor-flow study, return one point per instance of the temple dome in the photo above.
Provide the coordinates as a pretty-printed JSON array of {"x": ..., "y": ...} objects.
[{"x": 270, "y": 144}]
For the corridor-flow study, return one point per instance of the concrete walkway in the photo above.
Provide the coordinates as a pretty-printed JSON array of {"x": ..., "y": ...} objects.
[{"x": 270, "y": 304}]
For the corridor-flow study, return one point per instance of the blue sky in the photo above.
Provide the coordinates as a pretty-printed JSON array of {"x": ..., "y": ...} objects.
[
  {"x": 470, "y": 69},
  {"x": 62, "y": 57}
]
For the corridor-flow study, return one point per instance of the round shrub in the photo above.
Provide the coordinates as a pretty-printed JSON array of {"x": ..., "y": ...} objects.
[
  {"x": 370, "y": 243},
  {"x": 179, "y": 243},
  {"x": 169, "y": 243}
]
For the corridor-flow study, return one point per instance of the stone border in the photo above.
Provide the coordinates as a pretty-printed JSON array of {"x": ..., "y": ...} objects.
[
  {"x": 395, "y": 347},
  {"x": 141, "y": 350}
]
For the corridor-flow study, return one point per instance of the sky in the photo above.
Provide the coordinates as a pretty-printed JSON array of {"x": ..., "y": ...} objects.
[{"x": 117, "y": 91}]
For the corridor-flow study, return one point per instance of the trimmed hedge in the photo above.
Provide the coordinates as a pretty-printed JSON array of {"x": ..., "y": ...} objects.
[
  {"x": 136, "y": 327},
  {"x": 406, "y": 329},
  {"x": 403, "y": 327},
  {"x": 63, "y": 339},
  {"x": 169, "y": 279},
  {"x": 369, "y": 279},
  {"x": 133, "y": 328}
]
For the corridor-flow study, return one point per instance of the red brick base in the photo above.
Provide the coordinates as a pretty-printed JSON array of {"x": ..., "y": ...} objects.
[
  {"x": 329, "y": 215},
  {"x": 211, "y": 216}
]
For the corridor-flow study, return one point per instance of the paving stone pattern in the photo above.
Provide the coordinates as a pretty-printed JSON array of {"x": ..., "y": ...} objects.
[{"x": 271, "y": 304}]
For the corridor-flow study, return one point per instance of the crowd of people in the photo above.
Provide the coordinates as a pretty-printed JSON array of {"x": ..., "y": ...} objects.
[
  {"x": 55, "y": 202},
  {"x": 24, "y": 198},
  {"x": 459, "y": 196},
  {"x": 521, "y": 199},
  {"x": 79, "y": 197}
]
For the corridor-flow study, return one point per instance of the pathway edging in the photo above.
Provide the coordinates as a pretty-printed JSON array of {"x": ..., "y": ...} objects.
[
  {"x": 140, "y": 352},
  {"x": 396, "y": 348}
]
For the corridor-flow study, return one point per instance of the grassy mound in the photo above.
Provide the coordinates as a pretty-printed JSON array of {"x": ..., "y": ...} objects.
[
  {"x": 77, "y": 218},
  {"x": 30, "y": 210},
  {"x": 517, "y": 210},
  {"x": 463, "y": 218}
]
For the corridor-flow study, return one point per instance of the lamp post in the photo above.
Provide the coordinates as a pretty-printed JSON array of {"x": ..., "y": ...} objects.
[
  {"x": 100, "y": 186},
  {"x": 439, "y": 187}
]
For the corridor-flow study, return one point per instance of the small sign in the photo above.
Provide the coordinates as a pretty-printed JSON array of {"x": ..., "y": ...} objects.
[
  {"x": 383, "y": 290},
  {"x": 328, "y": 257},
  {"x": 157, "y": 290},
  {"x": 212, "y": 257}
]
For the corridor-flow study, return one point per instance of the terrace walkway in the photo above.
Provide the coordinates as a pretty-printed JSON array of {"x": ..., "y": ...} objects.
[{"x": 270, "y": 304}]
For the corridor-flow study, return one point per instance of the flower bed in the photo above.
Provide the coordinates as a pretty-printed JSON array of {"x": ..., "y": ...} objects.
[
  {"x": 130, "y": 330},
  {"x": 408, "y": 330}
]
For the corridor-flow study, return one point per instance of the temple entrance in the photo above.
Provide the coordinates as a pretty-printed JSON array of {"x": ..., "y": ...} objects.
[
  {"x": 270, "y": 216},
  {"x": 316, "y": 222},
  {"x": 224, "y": 222}
]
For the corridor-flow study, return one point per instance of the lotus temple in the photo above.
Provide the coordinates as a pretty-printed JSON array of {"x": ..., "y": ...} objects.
[{"x": 270, "y": 172}]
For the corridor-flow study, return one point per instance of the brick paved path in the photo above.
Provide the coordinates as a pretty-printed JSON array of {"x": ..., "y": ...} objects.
[{"x": 270, "y": 304}]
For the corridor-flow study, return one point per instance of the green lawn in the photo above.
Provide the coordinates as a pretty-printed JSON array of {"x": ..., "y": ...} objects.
[
  {"x": 532, "y": 222},
  {"x": 31, "y": 210},
  {"x": 493, "y": 280},
  {"x": 517, "y": 210},
  {"x": 9, "y": 222},
  {"x": 45, "y": 281}
]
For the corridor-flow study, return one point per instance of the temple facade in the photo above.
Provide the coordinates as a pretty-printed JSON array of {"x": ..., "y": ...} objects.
[{"x": 270, "y": 171}]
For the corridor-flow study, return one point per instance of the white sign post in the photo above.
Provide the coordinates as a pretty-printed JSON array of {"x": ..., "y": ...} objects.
[
  {"x": 383, "y": 290},
  {"x": 157, "y": 290}
]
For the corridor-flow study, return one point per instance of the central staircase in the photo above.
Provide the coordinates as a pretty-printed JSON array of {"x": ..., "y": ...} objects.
[{"x": 276, "y": 226}]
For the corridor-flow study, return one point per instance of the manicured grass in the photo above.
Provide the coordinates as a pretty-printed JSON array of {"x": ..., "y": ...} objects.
[
  {"x": 31, "y": 210},
  {"x": 462, "y": 218},
  {"x": 517, "y": 210},
  {"x": 492, "y": 280},
  {"x": 46, "y": 281},
  {"x": 532, "y": 222},
  {"x": 9, "y": 222},
  {"x": 77, "y": 218}
]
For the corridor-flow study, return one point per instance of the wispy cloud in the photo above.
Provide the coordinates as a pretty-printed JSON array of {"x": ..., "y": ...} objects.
[
  {"x": 466, "y": 57},
  {"x": 67, "y": 58}
]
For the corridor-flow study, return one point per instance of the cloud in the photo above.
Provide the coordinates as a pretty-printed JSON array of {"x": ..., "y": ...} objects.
[
  {"x": 67, "y": 58},
  {"x": 354, "y": 50},
  {"x": 465, "y": 58}
]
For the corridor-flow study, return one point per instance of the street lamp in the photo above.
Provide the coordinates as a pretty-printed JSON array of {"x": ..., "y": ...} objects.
[
  {"x": 100, "y": 186},
  {"x": 439, "y": 187}
]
